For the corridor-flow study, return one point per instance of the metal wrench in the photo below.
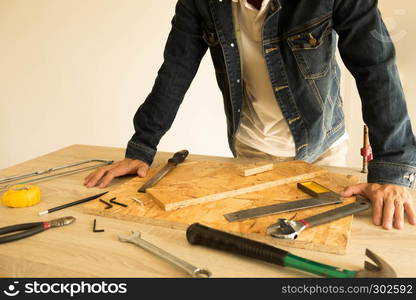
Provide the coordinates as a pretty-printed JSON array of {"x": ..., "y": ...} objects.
[{"x": 136, "y": 239}]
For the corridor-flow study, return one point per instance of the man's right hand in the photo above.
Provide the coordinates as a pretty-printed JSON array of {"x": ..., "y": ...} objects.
[{"x": 104, "y": 175}]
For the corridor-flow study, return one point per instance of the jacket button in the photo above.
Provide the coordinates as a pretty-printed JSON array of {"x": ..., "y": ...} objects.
[
  {"x": 238, "y": 80},
  {"x": 312, "y": 40},
  {"x": 232, "y": 45}
]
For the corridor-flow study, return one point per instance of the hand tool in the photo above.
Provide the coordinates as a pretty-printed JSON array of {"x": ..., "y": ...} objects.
[
  {"x": 176, "y": 159},
  {"x": 321, "y": 196},
  {"x": 113, "y": 200},
  {"x": 290, "y": 229},
  {"x": 28, "y": 229},
  {"x": 198, "y": 234},
  {"x": 136, "y": 239},
  {"x": 41, "y": 213},
  {"x": 21, "y": 196},
  {"x": 94, "y": 227},
  {"x": 106, "y": 203},
  {"x": 50, "y": 170},
  {"x": 366, "y": 151}
]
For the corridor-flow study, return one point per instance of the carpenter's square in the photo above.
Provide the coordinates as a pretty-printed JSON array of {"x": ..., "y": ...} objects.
[
  {"x": 176, "y": 159},
  {"x": 321, "y": 196},
  {"x": 290, "y": 229}
]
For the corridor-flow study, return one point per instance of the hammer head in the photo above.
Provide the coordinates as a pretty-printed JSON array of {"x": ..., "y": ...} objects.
[{"x": 380, "y": 269}]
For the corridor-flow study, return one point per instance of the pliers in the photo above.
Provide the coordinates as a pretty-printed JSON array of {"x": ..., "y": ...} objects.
[{"x": 29, "y": 229}]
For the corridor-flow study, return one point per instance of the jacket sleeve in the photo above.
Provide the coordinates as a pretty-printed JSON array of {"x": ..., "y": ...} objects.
[
  {"x": 183, "y": 52},
  {"x": 368, "y": 52}
]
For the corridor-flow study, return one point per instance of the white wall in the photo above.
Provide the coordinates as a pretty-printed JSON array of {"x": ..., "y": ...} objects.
[{"x": 75, "y": 71}]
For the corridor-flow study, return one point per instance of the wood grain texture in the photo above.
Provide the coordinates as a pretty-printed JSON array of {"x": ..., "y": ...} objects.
[
  {"x": 75, "y": 251},
  {"x": 194, "y": 183},
  {"x": 332, "y": 237},
  {"x": 256, "y": 168}
]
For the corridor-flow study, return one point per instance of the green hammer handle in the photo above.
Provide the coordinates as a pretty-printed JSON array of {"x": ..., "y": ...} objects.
[{"x": 198, "y": 234}]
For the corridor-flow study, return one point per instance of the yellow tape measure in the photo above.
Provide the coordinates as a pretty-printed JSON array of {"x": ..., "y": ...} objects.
[{"x": 21, "y": 196}]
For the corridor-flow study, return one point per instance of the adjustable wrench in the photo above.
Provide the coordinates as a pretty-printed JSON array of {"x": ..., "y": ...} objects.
[
  {"x": 136, "y": 239},
  {"x": 290, "y": 229}
]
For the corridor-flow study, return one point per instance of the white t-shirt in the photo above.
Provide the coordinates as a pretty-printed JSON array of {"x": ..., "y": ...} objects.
[{"x": 262, "y": 125}]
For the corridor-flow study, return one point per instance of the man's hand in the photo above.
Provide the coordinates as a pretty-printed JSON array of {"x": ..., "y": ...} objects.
[
  {"x": 105, "y": 174},
  {"x": 390, "y": 203}
]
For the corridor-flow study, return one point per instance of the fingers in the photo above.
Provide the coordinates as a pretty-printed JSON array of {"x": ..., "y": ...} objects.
[
  {"x": 94, "y": 177},
  {"x": 91, "y": 175},
  {"x": 388, "y": 213},
  {"x": 352, "y": 190},
  {"x": 104, "y": 175},
  {"x": 109, "y": 176},
  {"x": 377, "y": 202},
  {"x": 142, "y": 171},
  {"x": 410, "y": 212},
  {"x": 398, "y": 215}
]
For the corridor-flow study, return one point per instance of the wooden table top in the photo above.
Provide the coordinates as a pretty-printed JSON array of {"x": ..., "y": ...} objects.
[{"x": 76, "y": 251}]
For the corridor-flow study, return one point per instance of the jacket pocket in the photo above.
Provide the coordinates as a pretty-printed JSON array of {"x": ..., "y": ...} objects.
[
  {"x": 210, "y": 38},
  {"x": 312, "y": 49}
]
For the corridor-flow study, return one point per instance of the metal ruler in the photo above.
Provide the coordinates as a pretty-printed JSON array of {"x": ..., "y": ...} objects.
[{"x": 321, "y": 196}]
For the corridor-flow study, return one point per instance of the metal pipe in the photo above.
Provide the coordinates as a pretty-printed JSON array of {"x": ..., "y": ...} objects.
[{"x": 50, "y": 170}]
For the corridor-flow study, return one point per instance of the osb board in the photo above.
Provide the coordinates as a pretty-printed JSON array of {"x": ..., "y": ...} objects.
[
  {"x": 332, "y": 237},
  {"x": 194, "y": 183}
]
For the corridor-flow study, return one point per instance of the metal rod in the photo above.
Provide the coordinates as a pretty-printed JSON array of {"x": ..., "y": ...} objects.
[
  {"x": 71, "y": 204},
  {"x": 47, "y": 171}
]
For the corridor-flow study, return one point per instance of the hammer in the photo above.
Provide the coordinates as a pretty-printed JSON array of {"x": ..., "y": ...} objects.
[
  {"x": 198, "y": 234},
  {"x": 366, "y": 151}
]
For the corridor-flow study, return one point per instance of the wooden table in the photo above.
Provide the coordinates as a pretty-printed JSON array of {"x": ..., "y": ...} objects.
[{"x": 75, "y": 251}]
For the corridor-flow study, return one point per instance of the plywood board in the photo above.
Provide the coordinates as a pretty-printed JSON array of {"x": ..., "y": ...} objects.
[
  {"x": 256, "y": 168},
  {"x": 332, "y": 237},
  {"x": 194, "y": 183}
]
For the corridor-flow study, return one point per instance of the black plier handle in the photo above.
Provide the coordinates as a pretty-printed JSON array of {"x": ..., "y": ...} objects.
[{"x": 29, "y": 229}]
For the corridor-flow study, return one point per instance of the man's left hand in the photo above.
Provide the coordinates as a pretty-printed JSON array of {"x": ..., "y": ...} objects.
[{"x": 390, "y": 203}]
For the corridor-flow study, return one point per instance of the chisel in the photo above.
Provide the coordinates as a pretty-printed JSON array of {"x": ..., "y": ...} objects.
[{"x": 176, "y": 159}]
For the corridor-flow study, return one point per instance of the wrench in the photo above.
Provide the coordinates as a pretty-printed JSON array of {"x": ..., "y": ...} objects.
[{"x": 136, "y": 239}]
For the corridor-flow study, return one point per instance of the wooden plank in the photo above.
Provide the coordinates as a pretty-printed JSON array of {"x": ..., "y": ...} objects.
[
  {"x": 202, "y": 182},
  {"x": 256, "y": 168},
  {"x": 332, "y": 237}
]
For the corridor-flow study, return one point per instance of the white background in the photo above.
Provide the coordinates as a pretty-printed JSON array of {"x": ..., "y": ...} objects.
[{"x": 75, "y": 71}]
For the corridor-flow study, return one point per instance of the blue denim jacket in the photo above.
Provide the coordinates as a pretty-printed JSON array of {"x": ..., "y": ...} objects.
[{"x": 299, "y": 43}]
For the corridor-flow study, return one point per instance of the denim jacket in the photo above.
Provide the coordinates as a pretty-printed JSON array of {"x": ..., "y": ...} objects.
[{"x": 299, "y": 43}]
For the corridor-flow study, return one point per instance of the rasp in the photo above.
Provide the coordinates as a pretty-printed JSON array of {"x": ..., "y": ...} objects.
[{"x": 176, "y": 159}]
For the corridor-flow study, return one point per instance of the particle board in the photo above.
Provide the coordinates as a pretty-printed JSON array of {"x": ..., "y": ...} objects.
[
  {"x": 194, "y": 183},
  {"x": 332, "y": 237}
]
